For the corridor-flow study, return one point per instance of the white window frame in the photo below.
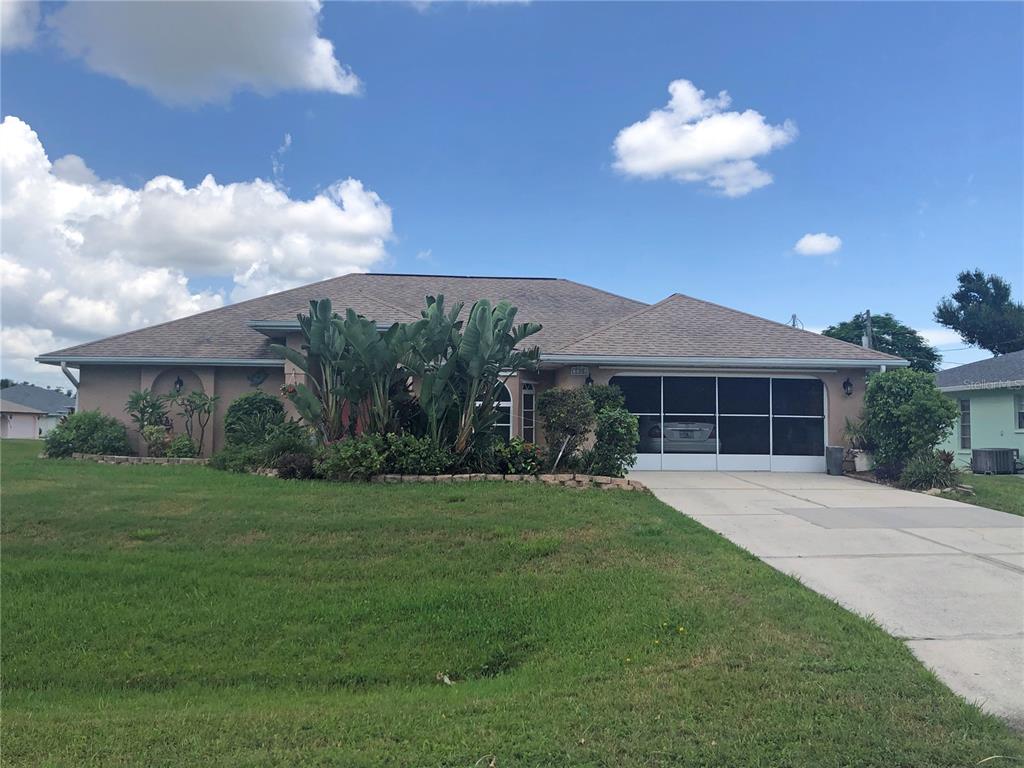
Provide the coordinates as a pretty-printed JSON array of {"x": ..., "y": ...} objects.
[
  {"x": 528, "y": 388},
  {"x": 504, "y": 425},
  {"x": 965, "y": 437}
]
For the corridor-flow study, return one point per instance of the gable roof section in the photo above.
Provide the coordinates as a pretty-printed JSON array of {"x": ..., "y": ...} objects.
[
  {"x": 995, "y": 373},
  {"x": 8, "y": 407},
  {"x": 566, "y": 310},
  {"x": 44, "y": 400},
  {"x": 681, "y": 327}
]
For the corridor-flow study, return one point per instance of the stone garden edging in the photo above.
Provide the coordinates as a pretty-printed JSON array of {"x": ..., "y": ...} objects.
[
  {"x": 565, "y": 480},
  {"x": 100, "y": 458}
]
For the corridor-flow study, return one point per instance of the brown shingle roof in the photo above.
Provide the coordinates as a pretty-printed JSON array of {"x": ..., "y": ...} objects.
[
  {"x": 577, "y": 320},
  {"x": 683, "y": 327},
  {"x": 566, "y": 309}
]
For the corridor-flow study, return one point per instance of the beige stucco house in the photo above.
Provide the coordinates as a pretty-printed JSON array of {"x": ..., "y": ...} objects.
[{"x": 713, "y": 388}]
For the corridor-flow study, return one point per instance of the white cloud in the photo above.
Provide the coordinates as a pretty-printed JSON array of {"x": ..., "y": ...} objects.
[
  {"x": 84, "y": 257},
  {"x": 195, "y": 52},
  {"x": 19, "y": 20},
  {"x": 695, "y": 139},
  {"x": 818, "y": 244}
]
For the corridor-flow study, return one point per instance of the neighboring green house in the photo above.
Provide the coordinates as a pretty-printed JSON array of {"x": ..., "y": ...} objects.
[{"x": 990, "y": 396}]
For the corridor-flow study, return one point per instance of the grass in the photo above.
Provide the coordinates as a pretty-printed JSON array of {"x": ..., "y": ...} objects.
[
  {"x": 1002, "y": 492},
  {"x": 172, "y": 615}
]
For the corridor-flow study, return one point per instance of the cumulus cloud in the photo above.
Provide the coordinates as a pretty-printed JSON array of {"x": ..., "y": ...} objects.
[
  {"x": 697, "y": 139},
  {"x": 195, "y": 52},
  {"x": 818, "y": 244},
  {"x": 84, "y": 257},
  {"x": 19, "y": 20}
]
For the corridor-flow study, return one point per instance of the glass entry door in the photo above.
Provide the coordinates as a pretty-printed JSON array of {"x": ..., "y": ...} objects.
[{"x": 727, "y": 422}]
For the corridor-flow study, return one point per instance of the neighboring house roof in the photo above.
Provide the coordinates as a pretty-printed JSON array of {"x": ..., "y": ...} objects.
[
  {"x": 569, "y": 312},
  {"x": 683, "y": 327},
  {"x": 8, "y": 407},
  {"x": 43, "y": 400},
  {"x": 995, "y": 373}
]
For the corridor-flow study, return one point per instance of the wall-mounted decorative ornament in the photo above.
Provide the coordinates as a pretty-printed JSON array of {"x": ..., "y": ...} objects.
[{"x": 257, "y": 377}]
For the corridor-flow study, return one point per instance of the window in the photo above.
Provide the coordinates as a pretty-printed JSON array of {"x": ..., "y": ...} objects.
[
  {"x": 503, "y": 406},
  {"x": 965, "y": 425},
  {"x": 529, "y": 399},
  {"x": 1018, "y": 404}
]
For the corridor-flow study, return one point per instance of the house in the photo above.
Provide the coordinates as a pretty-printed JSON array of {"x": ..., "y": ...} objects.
[
  {"x": 53, "y": 405},
  {"x": 714, "y": 388},
  {"x": 18, "y": 420},
  {"x": 990, "y": 398}
]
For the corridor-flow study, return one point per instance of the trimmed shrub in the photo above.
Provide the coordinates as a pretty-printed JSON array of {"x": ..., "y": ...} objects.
[
  {"x": 567, "y": 416},
  {"x": 905, "y": 415},
  {"x": 929, "y": 469},
  {"x": 604, "y": 396},
  {"x": 249, "y": 418},
  {"x": 408, "y": 455},
  {"x": 294, "y": 466},
  {"x": 87, "y": 432},
  {"x": 615, "y": 440},
  {"x": 519, "y": 458},
  {"x": 354, "y": 458},
  {"x": 238, "y": 458},
  {"x": 182, "y": 447}
]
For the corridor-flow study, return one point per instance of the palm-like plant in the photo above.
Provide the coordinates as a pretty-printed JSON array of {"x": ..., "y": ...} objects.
[{"x": 351, "y": 364}]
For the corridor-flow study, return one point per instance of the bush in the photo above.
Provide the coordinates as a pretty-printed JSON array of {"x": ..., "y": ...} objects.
[
  {"x": 182, "y": 447},
  {"x": 567, "y": 415},
  {"x": 408, "y": 455},
  {"x": 929, "y": 469},
  {"x": 604, "y": 396},
  {"x": 905, "y": 415},
  {"x": 519, "y": 458},
  {"x": 294, "y": 466},
  {"x": 287, "y": 437},
  {"x": 615, "y": 440},
  {"x": 156, "y": 439},
  {"x": 238, "y": 458},
  {"x": 88, "y": 432},
  {"x": 354, "y": 458},
  {"x": 250, "y": 417}
]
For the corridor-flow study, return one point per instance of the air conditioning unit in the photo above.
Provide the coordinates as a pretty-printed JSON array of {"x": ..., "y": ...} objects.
[{"x": 994, "y": 461}]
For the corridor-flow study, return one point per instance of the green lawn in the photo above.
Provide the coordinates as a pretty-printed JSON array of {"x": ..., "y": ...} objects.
[
  {"x": 1003, "y": 492},
  {"x": 164, "y": 616}
]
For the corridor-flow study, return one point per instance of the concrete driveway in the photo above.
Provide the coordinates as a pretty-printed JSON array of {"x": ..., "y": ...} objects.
[{"x": 946, "y": 577}]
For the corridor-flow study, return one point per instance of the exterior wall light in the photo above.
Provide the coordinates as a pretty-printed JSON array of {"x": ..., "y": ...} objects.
[
  {"x": 178, "y": 384},
  {"x": 847, "y": 387}
]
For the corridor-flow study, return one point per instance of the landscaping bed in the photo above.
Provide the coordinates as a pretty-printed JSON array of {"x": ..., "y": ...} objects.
[{"x": 181, "y": 616}]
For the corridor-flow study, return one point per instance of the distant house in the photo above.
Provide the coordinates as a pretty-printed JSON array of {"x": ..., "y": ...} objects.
[
  {"x": 990, "y": 396},
  {"x": 18, "y": 420},
  {"x": 49, "y": 405}
]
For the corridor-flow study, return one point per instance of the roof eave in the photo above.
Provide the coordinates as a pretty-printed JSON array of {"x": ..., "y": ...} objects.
[
  {"x": 76, "y": 360},
  {"x": 1013, "y": 384},
  {"x": 797, "y": 363}
]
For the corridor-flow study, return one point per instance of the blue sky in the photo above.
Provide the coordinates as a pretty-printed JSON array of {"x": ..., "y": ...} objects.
[{"x": 487, "y": 130}]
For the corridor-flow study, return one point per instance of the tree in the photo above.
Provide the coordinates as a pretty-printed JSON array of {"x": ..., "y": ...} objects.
[
  {"x": 905, "y": 415},
  {"x": 891, "y": 336},
  {"x": 983, "y": 312}
]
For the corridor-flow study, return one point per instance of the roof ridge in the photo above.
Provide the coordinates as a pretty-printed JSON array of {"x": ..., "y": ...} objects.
[
  {"x": 615, "y": 322},
  {"x": 601, "y": 290}
]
